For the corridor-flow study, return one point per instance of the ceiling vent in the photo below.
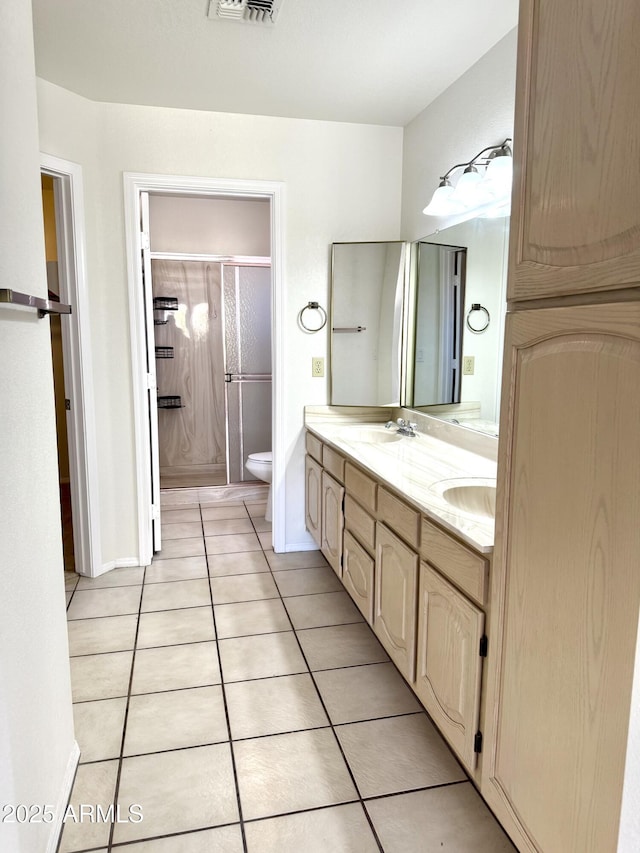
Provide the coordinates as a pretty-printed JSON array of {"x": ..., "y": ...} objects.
[{"x": 245, "y": 11}]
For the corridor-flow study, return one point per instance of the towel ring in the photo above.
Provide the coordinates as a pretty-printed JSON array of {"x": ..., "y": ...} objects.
[
  {"x": 475, "y": 306},
  {"x": 313, "y": 306}
]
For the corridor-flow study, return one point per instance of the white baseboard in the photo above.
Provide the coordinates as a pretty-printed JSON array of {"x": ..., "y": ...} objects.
[
  {"x": 63, "y": 798},
  {"x": 301, "y": 546},
  {"x": 121, "y": 563}
]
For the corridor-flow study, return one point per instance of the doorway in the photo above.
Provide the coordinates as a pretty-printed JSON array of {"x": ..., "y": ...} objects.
[
  {"x": 210, "y": 270},
  {"x": 138, "y": 189},
  {"x": 63, "y": 216}
]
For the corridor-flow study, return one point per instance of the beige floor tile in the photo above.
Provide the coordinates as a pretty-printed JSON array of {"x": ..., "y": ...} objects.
[
  {"x": 181, "y": 530},
  {"x": 340, "y": 646},
  {"x": 339, "y": 829},
  {"x": 174, "y": 627},
  {"x": 178, "y": 791},
  {"x": 68, "y": 596},
  {"x": 175, "y": 667},
  {"x": 409, "y": 753},
  {"x": 174, "y": 720},
  {"x": 94, "y": 785},
  {"x": 222, "y": 526},
  {"x": 295, "y": 560},
  {"x": 191, "y": 547},
  {"x": 98, "y": 728},
  {"x": 235, "y": 588},
  {"x": 92, "y": 603},
  {"x": 71, "y": 580},
  {"x": 176, "y": 594},
  {"x": 232, "y": 544},
  {"x": 451, "y": 818},
  {"x": 285, "y": 704},
  {"x": 107, "y": 634},
  {"x": 173, "y": 500},
  {"x": 260, "y": 657},
  {"x": 365, "y": 693},
  {"x": 218, "y": 513},
  {"x": 177, "y": 516},
  {"x": 251, "y": 617},
  {"x": 178, "y": 569},
  {"x": 223, "y": 839},
  {"x": 116, "y": 577},
  {"x": 245, "y": 563},
  {"x": 265, "y": 539},
  {"x": 321, "y": 610},
  {"x": 261, "y": 525},
  {"x": 100, "y": 676},
  {"x": 307, "y": 581},
  {"x": 256, "y": 510},
  {"x": 284, "y": 773}
]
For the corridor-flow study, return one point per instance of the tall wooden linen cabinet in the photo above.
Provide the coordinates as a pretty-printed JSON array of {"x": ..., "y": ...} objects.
[{"x": 566, "y": 573}]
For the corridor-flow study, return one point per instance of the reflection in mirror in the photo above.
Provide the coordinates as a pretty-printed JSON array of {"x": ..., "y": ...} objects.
[
  {"x": 486, "y": 242},
  {"x": 435, "y": 347},
  {"x": 367, "y": 293}
]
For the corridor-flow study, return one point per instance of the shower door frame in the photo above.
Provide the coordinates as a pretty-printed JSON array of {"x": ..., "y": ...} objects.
[{"x": 134, "y": 184}]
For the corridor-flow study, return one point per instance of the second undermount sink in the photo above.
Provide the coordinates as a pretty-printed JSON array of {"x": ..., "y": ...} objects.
[
  {"x": 369, "y": 435},
  {"x": 476, "y": 497}
]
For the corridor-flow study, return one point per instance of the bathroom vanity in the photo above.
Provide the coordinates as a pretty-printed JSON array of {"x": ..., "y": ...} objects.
[{"x": 406, "y": 523}]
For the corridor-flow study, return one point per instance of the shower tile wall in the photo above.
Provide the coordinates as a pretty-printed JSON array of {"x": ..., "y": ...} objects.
[{"x": 192, "y": 439}]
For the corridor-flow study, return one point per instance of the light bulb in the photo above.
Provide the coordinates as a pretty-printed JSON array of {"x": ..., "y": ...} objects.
[
  {"x": 466, "y": 191},
  {"x": 441, "y": 203}
]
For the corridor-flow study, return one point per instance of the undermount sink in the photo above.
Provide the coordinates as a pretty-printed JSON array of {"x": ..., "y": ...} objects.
[
  {"x": 474, "y": 497},
  {"x": 370, "y": 435}
]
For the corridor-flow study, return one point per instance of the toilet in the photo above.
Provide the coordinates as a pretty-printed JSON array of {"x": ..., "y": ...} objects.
[{"x": 260, "y": 465}]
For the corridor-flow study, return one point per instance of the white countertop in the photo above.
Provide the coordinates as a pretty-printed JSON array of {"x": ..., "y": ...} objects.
[{"x": 418, "y": 468}]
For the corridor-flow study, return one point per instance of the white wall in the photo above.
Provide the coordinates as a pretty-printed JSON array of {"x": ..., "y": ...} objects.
[
  {"x": 343, "y": 183},
  {"x": 474, "y": 112},
  {"x": 214, "y": 226},
  {"x": 36, "y": 727}
]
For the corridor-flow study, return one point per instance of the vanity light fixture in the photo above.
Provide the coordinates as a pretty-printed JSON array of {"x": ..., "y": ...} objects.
[{"x": 484, "y": 185}]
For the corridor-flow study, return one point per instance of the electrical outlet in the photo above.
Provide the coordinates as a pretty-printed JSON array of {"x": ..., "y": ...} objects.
[
  {"x": 468, "y": 365},
  {"x": 317, "y": 366}
]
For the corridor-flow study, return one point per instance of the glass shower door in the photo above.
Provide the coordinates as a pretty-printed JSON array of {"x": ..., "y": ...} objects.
[{"x": 247, "y": 337}]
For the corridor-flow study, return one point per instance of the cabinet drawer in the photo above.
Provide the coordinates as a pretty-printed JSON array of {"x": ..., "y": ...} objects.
[
  {"x": 362, "y": 488},
  {"x": 333, "y": 463},
  {"x": 468, "y": 570},
  {"x": 357, "y": 575},
  {"x": 360, "y": 522},
  {"x": 314, "y": 447},
  {"x": 402, "y": 519}
]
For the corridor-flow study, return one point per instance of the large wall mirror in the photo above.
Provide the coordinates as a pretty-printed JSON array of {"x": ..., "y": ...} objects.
[{"x": 411, "y": 303}]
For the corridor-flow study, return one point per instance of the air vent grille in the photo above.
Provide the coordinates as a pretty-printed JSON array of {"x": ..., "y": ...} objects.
[{"x": 245, "y": 11}]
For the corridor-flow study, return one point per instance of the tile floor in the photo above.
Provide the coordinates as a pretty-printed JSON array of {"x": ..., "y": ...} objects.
[{"x": 237, "y": 697}]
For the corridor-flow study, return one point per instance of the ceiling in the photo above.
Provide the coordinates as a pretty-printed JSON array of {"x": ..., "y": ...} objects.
[{"x": 367, "y": 61}]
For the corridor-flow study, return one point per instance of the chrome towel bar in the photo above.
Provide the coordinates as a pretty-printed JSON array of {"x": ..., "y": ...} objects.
[
  {"x": 44, "y": 306},
  {"x": 345, "y": 330}
]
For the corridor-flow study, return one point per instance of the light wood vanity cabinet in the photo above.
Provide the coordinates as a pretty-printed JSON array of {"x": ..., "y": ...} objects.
[
  {"x": 395, "y": 596},
  {"x": 332, "y": 522},
  {"x": 574, "y": 220},
  {"x": 450, "y": 654},
  {"x": 426, "y": 616}
]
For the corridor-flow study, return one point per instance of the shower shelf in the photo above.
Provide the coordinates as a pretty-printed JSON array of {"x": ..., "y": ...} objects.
[
  {"x": 165, "y": 303},
  {"x": 173, "y": 402},
  {"x": 158, "y": 321},
  {"x": 164, "y": 352}
]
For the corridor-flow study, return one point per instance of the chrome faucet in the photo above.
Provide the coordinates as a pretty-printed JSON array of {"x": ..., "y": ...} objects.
[{"x": 404, "y": 427}]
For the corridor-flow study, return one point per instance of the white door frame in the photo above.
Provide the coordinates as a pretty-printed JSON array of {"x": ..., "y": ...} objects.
[
  {"x": 78, "y": 374},
  {"x": 134, "y": 184}
]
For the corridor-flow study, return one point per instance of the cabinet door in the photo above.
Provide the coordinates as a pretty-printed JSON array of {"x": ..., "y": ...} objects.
[
  {"x": 566, "y": 583},
  {"x": 313, "y": 499},
  {"x": 449, "y": 670},
  {"x": 357, "y": 575},
  {"x": 395, "y": 595},
  {"x": 332, "y": 522},
  {"x": 575, "y": 225}
]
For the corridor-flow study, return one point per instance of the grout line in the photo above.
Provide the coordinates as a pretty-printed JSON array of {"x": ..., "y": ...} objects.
[
  {"x": 226, "y": 707},
  {"x": 126, "y": 716}
]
